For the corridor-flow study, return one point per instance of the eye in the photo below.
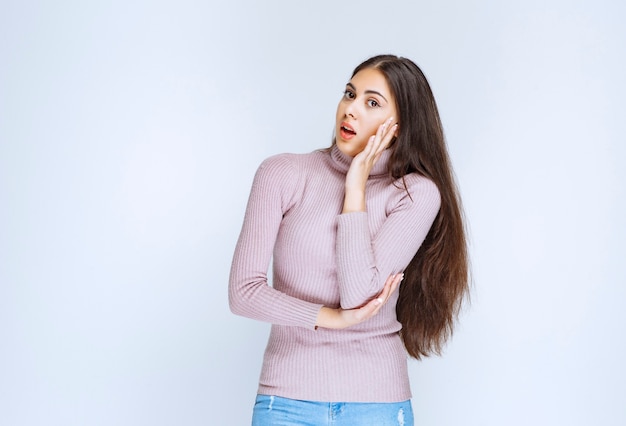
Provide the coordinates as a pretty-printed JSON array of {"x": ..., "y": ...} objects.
[
  {"x": 348, "y": 94},
  {"x": 372, "y": 103}
]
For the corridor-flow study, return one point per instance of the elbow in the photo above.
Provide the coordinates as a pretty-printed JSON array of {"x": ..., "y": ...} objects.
[
  {"x": 232, "y": 305},
  {"x": 347, "y": 305},
  {"x": 354, "y": 303},
  {"x": 239, "y": 308},
  {"x": 356, "y": 297},
  {"x": 242, "y": 297},
  {"x": 236, "y": 304}
]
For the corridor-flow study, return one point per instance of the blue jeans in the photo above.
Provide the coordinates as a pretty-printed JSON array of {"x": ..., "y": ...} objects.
[{"x": 278, "y": 411}]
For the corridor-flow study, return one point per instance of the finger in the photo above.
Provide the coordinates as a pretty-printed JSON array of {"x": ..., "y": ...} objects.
[
  {"x": 391, "y": 285},
  {"x": 377, "y": 143},
  {"x": 378, "y": 304},
  {"x": 396, "y": 283},
  {"x": 383, "y": 296},
  {"x": 368, "y": 310},
  {"x": 370, "y": 147},
  {"x": 388, "y": 134},
  {"x": 384, "y": 136},
  {"x": 375, "y": 140},
  {"x": 387, "y": 127},
  {"x": 373, "y": 306},
  {"x": 384, "y": 293},
  {"x": 382, "y": 131}
]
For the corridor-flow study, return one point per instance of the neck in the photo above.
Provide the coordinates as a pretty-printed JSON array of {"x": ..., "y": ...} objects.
[{"x": 342, "y": 161}]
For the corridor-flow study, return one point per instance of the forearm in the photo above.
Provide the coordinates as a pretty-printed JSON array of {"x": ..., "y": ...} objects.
[
  {"x": 358, "y": 275},
  {"x": 259, "y": 301},
  {"x": 354, "y": 200},
  {"x": 275, "y": 183},
  {"x": 366, "y": 256},
  {"x": 329, "y": 318}
]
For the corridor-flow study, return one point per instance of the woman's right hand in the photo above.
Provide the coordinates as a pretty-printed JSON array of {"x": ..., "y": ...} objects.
[{"x": 342, "y": 318}]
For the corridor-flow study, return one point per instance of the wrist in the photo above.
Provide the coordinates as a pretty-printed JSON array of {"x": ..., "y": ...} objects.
[
  {"x": 354, "y": 201},
  {"x": 329, "y": 318}
]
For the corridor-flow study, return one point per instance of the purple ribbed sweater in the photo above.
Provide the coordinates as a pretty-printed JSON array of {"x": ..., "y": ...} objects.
[{"x": 323, "y": 257}]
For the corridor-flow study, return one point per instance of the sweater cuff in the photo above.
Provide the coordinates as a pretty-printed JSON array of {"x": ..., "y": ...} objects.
[
  {"x": 296, "y": 312},
  {"x": 309, "y": 316}
]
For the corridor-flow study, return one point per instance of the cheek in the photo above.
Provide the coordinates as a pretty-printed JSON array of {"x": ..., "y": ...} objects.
[{"x": 373, "y": 128}]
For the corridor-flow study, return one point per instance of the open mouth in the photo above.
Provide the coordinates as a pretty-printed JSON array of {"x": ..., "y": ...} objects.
[{"x": 346, "y": 131}]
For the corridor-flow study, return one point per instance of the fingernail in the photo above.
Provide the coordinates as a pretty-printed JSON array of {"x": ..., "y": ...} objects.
[{"x": 379, "y": 301}]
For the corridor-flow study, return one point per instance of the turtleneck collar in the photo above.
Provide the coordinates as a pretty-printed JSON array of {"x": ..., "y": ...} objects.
[{"x": 341, "y": 161}]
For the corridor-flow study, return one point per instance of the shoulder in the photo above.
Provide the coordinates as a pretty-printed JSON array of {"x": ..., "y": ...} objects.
[
  {"x": 421, "y": 185},
  {"x": 288, "y": 162},
  {"x": 277, "y": 163},
  {"x": 288, "y": 166},
  {"x": 283, "y": 176},
  {"x": 277, "y": 168},
  {"x": 415, "y": 191}
]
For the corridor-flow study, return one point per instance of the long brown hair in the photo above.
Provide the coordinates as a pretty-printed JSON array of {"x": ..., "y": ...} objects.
[{"x": 436, "y": 282}]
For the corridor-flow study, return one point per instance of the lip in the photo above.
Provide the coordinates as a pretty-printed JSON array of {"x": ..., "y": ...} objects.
[
  {"x": 347, "y": 126},
  {"x": 346, "y": 135}
]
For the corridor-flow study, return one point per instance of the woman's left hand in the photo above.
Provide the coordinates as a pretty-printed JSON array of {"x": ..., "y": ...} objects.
[
  {"x": 362, "y": 165},
  {"x": 342, "y": 318}
]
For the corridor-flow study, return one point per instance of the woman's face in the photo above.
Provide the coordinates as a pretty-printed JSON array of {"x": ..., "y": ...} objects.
[{"x": 365, "y": 105}]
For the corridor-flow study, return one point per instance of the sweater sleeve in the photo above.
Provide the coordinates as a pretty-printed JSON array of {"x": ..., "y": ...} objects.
[
  {"x": 365, "y": 261},
  {"x": 273, "y": 192}
]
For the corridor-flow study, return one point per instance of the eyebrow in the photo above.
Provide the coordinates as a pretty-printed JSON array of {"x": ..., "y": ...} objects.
[{"x": 368, "y": 91}]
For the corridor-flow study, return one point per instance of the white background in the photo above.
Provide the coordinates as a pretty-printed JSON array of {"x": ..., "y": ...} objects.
[{"x": 129, "y": 135}]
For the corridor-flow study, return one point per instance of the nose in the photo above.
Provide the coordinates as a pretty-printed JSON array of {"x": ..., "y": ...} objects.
[{"x": 350, "y": 110}]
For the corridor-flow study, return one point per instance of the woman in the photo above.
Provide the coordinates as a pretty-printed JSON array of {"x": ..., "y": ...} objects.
[{"x": 344, "y": 226}]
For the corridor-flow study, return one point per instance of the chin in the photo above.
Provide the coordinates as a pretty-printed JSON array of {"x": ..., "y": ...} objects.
[{"x": 347, "y": 148}]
